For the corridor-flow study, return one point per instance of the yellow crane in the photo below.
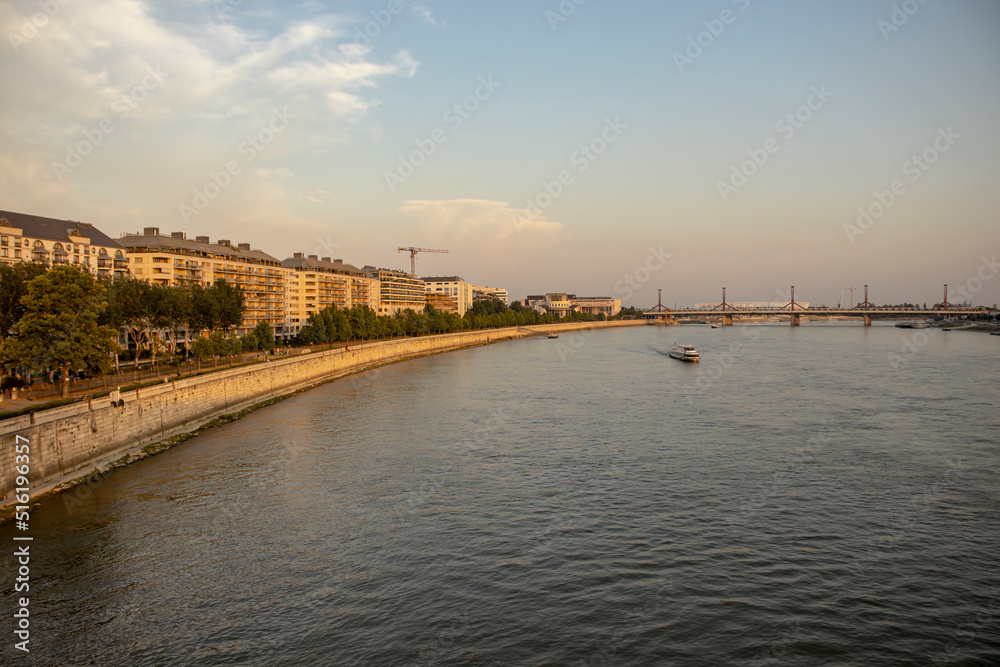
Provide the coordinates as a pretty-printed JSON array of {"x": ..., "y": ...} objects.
[{"x": 413, "y": 256}]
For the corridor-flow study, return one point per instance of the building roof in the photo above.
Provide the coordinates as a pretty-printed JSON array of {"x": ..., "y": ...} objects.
[
  {"x": 154, "y": 242},
  {"x": 56, "y": 230},
  {"x": 304, "y": 263},
  {"x": 443, "y": 279}
]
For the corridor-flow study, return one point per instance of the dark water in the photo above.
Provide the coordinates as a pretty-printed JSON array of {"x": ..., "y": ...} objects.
[{"x": 794, "y": 499}]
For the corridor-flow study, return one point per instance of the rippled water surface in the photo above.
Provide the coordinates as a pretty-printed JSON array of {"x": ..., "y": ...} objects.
[{"x": 800, "y": 497}]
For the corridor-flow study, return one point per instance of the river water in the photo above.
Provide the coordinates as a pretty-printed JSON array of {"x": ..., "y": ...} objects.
[{"x": 821, "y": 495}]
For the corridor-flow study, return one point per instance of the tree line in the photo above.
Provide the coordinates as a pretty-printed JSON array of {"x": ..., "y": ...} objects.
[
  {"x": 64, "y": 319},
  {"x": 333, "y": 324}
]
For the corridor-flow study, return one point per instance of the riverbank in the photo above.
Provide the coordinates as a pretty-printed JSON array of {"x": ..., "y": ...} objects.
[{"x": 72, "y": 444}]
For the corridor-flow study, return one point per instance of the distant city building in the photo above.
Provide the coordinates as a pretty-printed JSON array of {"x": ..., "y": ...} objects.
[
  {"x": 752, "y": 305},
  {"x": 454, "y": 286},
  {"x": 314, "y": 284},
  {"x": 398, "y": 291},
  {"x": 442, "y": 302},
  {"x": 561, "y": 304},
  {"x": 483, "y": 293},
  {"x": 175, "y": 259},
  {"x": 32, "y": 238}
]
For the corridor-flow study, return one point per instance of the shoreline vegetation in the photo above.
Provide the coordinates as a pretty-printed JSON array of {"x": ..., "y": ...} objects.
[
  {"x": 65, "y": 323},
  {"x": 91, "y": 473}
]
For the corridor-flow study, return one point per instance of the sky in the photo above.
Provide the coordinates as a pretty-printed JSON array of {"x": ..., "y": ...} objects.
[{"x": 585, "y": 146}]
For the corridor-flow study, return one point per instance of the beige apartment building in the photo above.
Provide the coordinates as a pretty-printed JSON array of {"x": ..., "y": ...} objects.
[
  {"x": 175, "y": 259},
  {"x": 442, "y": 302},
  {"x": 398, "y": 291},
  {"x": 33, "y": 238},
  {"x": 483, "y": 293},
  {"x": 453, "y": 286},
  {"x": 315, "y": 283}
]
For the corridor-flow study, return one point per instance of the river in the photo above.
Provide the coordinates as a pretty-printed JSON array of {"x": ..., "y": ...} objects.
[{"x": 818, "y": 495}]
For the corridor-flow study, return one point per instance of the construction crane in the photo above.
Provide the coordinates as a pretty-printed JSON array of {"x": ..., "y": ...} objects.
[
  {"x": 842, "y": 293},
  {"x": 413, "y": 256}
]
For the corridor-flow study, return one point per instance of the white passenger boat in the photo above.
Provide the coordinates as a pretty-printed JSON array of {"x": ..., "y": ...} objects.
[{"x": 685, "y": 353}]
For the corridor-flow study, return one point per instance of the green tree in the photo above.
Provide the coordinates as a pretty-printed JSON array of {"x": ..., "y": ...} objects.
[
  {"x": 249, "y": 342},
  {"x": 265, "y": 336},
  {"x": 14, "y": 281},
  {"x": 60, "y": 327},
  {"x": 232, "y": 304}
]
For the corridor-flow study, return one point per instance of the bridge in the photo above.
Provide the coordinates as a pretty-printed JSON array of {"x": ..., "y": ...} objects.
[{"x": 795, "y": 311}]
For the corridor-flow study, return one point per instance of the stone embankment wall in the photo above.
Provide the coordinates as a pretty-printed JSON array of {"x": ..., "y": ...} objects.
[{"x": 70, "y": 441}]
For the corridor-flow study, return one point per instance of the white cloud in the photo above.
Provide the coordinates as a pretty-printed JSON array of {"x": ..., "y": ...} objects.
[
  {"x": 489, "y": 220},
  {"x": 425, "y": 12},
  {"x": 74, "y": 70},
  {"x": 279, "y": 174}
]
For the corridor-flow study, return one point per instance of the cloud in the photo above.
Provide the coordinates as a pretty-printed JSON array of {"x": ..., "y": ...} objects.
[
  {"x": 489, "y": 220},
  {"x": 279, "y": 174},
  {"x": 425, "y": 12},
  {"x": 77, "y": 67}
]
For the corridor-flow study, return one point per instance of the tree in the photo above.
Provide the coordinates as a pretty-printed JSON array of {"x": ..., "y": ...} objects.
[
  {"x": 264, "y": 335},
  {"x": 204, "y": 313},
  {"x": 249, "y": 342},
  {"x": 131, "y": 305},
  {"x": 60, "y": 326},
  {"x": 14, "y": 281},
  {"x": 232, "y": 304}
]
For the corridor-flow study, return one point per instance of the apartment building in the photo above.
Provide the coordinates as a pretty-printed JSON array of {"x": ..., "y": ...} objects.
[
  {"x": 398, "y": 291},
  {"x": 483, "y": 293},
  {"x": 175, "y": 259},
  {"x": 453, "y": 286},
  {"x": 442, "y": 302},
  {"x": 33, "y": 238},
  {"x": 315, "y": 283}
]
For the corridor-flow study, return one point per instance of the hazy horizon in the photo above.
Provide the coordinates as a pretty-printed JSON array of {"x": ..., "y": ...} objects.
[{"x": 349, "y": 129}]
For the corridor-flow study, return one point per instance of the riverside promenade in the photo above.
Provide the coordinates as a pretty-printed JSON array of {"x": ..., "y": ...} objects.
[{"x": 76, "y": 441}]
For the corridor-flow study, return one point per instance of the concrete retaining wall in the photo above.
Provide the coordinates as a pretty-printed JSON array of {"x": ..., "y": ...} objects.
[{"x": 69, "y": 441}]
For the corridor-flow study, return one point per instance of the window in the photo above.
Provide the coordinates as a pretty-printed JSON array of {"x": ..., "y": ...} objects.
[
  {"x": 3, "y": 252},
  {"x": 136, "y": 260},
  {"x": 17, "y": 254},
  {"x": 3, "y": 240}
]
